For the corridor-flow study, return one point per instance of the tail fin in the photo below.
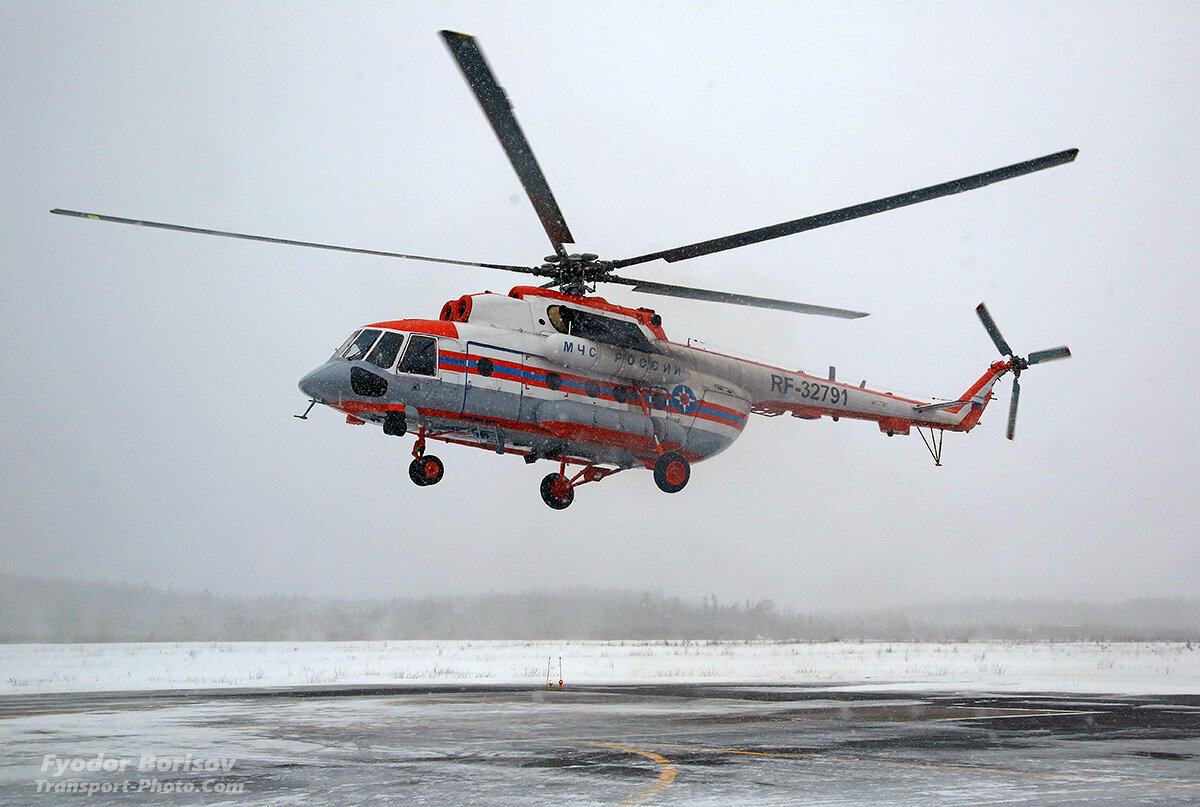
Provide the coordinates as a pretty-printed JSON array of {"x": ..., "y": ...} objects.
[
  {"x": 970, "y": 405},
  {"x": 976, "y": 398}
]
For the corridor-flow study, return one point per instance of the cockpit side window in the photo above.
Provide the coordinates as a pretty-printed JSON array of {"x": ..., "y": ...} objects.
[
  {"x": 420, "y": 358},
  {"x": 361, "y": 344},
  {"x": 384, "y": 353}
]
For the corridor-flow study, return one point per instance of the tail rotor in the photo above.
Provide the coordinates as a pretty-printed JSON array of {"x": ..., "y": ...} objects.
[{"x": 1016, "y": 363}]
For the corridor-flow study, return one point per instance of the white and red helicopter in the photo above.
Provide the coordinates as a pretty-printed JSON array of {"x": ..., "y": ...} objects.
[{"x": 551, "y": 372}]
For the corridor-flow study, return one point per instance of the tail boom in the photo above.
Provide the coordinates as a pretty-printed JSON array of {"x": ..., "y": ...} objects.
[{"x": 810, "y": 397}]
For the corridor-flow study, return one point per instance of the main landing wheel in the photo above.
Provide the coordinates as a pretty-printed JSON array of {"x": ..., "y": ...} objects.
[
  {"x": 672, "y": 472},
  {"x": 557, "y": 492},
  {"x": 426, "y": 470}
]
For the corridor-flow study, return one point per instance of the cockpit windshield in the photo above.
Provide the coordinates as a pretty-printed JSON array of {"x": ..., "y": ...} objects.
[
  {"x": 346, "y": 344},
  {"x": 358, "y": 346},
  {"x": 384, "y": 353},
  {"x": 418, "y": 355}
]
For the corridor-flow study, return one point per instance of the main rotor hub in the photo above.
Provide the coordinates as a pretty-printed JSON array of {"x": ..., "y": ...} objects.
[{"x": 577, "y": 273}]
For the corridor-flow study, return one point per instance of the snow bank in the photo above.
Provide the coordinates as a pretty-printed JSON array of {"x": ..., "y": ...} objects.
[{"x": 1126, "y": 667}]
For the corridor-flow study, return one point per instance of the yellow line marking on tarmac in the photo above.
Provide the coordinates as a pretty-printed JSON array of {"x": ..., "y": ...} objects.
[
  {"x": 933, "y": 766},
  {"x": 666, "y": 775}
]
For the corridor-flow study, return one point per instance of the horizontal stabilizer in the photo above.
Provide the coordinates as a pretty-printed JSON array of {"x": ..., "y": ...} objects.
[{"x": 937, "y": 406}]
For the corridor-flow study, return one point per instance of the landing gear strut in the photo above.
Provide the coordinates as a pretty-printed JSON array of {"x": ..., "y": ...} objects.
[
  {"x": 671, "y": 469},
  {"x": 558, "y": 491},
  {"x": 424, "y": 470}
]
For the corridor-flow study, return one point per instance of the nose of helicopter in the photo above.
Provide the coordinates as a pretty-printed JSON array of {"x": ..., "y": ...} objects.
[{"x": 323, "y": 384}]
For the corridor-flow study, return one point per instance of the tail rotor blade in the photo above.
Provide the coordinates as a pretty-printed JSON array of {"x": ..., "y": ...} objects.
[
  {"x": 1016, "y": 363},
  {"x": 1039, "y": 356},
  {"x": 990, "y": 325},
  {"x": 1012, "y": 408}
]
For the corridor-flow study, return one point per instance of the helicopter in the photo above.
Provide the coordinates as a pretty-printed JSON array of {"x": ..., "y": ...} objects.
[{"x": 553, "y": 372}]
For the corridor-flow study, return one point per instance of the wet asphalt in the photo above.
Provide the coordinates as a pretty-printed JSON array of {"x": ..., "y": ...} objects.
[{"x": 669, "y": 744}]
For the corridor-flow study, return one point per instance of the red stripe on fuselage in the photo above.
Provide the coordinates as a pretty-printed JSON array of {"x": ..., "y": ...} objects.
[{"x": 511, "y": 371}]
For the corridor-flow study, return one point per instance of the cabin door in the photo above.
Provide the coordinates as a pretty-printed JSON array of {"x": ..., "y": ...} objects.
[{"x": 494, "y": 384}]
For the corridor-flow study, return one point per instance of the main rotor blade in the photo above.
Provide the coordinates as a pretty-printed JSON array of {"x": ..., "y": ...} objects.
[
  {"x": 500, "y": 115},
  {"x": 853, "y": 212},
  {"x": 181, "y": 228},
  {"x": 1012, "y": 408},
  {"x": 993, "y": 331},
  {"x": 1039, "y": 356},
  {"x": 668, "y": 290}
]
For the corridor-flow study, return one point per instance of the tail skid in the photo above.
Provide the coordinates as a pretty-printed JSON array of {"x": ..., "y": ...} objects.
[{"x": 970, "y": 406}]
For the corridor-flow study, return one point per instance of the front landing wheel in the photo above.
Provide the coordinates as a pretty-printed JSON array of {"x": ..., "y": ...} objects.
[
  {"x": 426, "y": 470},
  {"x": 557, "y": 492},
  {"x": 672, "y": 472}
]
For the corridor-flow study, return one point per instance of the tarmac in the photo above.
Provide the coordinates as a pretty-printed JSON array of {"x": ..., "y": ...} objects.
[{"x": 672, "y": 744}]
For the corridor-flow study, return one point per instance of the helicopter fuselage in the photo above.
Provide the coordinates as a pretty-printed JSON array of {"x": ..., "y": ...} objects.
[{"x": 579, "y": 380}]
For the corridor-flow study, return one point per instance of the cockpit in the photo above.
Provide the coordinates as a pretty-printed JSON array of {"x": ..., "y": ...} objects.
[{"x": 418, "y": 354}]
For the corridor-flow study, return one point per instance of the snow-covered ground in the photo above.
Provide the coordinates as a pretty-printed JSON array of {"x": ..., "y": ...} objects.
[{"x": 1126, "y": 667}]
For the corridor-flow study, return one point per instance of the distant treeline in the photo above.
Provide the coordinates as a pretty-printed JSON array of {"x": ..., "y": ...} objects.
[{"x": 52, "y": 610}]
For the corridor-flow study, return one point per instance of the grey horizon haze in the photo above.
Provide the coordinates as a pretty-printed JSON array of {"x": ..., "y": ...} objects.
[{"x": 150, "y": 377}]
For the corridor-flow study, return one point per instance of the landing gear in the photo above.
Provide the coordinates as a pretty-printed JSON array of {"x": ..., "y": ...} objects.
[
  {"x": 424, "y": 470},
  {"x": 671, "y": 469},
  {"x": 671, "y": 472},
  {"x": 557, "y": 491}
]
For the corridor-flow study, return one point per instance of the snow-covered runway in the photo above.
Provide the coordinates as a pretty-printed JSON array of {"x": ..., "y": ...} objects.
[
  {"x": 667, "y": 744},
  {"x": 693, "y": 723}
]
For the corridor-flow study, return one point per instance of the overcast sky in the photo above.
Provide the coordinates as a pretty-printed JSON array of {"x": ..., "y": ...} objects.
[{"x": 150, "y": 378}]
